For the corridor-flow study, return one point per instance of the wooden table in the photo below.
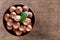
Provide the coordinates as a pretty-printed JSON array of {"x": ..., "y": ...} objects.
[{"x": 47, "y": 19}]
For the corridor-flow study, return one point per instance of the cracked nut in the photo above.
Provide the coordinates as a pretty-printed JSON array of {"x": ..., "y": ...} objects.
[
  {"x": 6, "y": 17},
  {"x": 12, "y": 9},
  {"x": 27, "y": 21},
  {"x": 19, "y": 10},
  {"x": 17, "y": 32},
  {"x": 9, "y": 27},
  {"x": 12, "y": 15},
  {"x": 17, "y": 18},
  {"x": 29, "y": 28},
  {"x": 10, "y": 22},
  {"x": 25, "y": 8},
  {"x": 30, "y": 15},
  {"x": 16, "y": 25},
  {"x": 22, "y": 28}
]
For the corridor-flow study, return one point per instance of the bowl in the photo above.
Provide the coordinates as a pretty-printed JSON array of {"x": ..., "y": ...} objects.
[{"x": 5, "y": 23}]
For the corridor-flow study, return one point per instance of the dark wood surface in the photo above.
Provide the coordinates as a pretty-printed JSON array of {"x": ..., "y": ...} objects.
[{"x": 47, "y": 19}]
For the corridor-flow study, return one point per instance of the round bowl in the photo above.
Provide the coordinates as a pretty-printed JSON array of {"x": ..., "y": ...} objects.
[{"x": 5, "y": 23}]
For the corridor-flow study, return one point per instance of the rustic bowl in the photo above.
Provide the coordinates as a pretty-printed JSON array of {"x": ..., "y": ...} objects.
[{"x": 5, "y": 23}]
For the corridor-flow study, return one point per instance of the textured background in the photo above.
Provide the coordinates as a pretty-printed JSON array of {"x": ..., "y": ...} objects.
[{"x": 47, "y": 19}]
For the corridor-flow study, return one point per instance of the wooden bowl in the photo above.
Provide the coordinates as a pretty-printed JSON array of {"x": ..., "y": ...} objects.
[{"x": 5, "y": 23}]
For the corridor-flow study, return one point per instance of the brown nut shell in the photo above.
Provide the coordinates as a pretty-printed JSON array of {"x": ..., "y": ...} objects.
[
  {"x": 16, "y": 25},
  {"x": 12, "y": 15},
  {"x": 6, "y": 17},
  {"x": 19, "y": 10},
  {"x": 27, "y": 21},
  {"x": 17, "y": 32},
  {"x": 29, "y": 28},
  {"x": 17, "y": 18},
  {"x": 30, "y": 14},
  {"x": 22, "y": 28},
  {"x": 9, "y": 27},
  {"x": 12, "y": 9},
  {"x": 10, "y": 22},
  {"x": 25, "y": 8}
]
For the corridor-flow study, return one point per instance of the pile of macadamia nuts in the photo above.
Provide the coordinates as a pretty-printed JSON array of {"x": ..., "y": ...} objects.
[{"x": 14, "y": 18}]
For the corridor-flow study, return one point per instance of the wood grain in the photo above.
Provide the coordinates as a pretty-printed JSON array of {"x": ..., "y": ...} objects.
[{"x": 47, "y": 19}]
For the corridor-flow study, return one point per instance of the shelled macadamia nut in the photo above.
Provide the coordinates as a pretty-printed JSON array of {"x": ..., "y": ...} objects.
[
  {"x": 10, "y": 22},
  {"x": 25, "y": 8},
  {"x": 17, "y": 18},
  {"x": 16, "y": 25},
  {"x": 12, "y": 9},
  {"x": 18, "y": 33},
  {"x": 9, "y": 27},
  {"x": 6, "y": 17},
  {"x": 22, "y": 28},
  {"x": 19, "y": 10},
  {"x": 29, "y": 28},
  {"x": 27, "y": 21},
  {"x": 30, "y": 14},
  {"x": 12, "y": 15}
]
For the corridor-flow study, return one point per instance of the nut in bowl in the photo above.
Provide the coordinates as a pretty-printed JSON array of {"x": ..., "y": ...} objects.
[{"x": 18, "y": 20}]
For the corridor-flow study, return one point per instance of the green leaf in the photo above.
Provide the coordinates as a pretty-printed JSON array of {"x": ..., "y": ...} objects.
[{"x": 23, "y": 16}]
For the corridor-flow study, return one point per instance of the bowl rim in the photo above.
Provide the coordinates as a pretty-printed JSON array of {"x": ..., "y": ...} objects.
[{"x": 16, "y": 5}]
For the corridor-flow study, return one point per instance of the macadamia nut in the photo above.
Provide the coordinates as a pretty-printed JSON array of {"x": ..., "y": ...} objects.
[
  {"x": 27, "y": 21},
  {"x": 22, "y": 28},
  {"x": 19, "y": 10},
  {"x": 9, "y": 27},
  {"x": 12, "y": 9},
  {"x": 29, "y": 28},
  {"x": 12, "y": 15},
  {"x": 17, "y": 18},
  {"x": 16, "y": 25},
  {"x": 6, "y": 17},
  {"x": 25, "y": 8},
  {"x": 10, "y": 22},
  {"x": 18, "y": 32},
  {"x": 30, "y": 15}
]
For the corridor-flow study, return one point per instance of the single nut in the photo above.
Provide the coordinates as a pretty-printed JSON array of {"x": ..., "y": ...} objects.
[
  {"x": 12, "y": 9},
  {"x": 12, "y": 15},
  {"x": 17, "y": 18},
  {"x": 16, "y": 25},
  {"x": 18, "y": 32},
  {"x": 27, "y": 21},
  {"x": 10, "y": 22},
  {"x": 9, "y": 27},
  {"x": 30, "y": 15},
  {"x": 29, "y": 28},
  {"x": 6, "y": 17},
  {"x": 19, "y": 10},
  {"x": 25, "y": 8},
  {"x": 22, "y": 28}
]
